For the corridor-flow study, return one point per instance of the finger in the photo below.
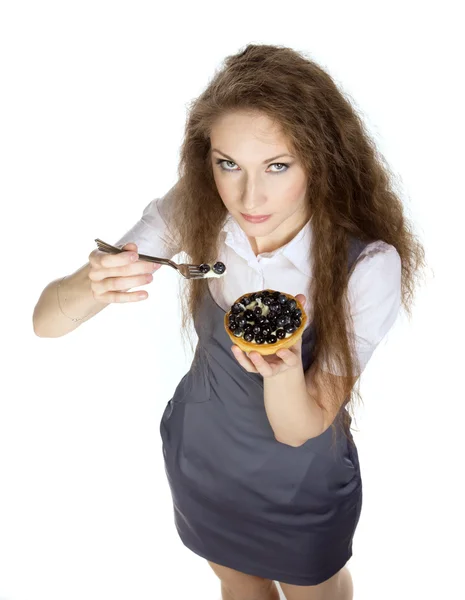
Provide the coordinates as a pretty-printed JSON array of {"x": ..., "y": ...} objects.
[
  {"x": 263, "y": 367},
  {"x": 122, "y": 297},
  {"x": 141, "y": 267},
  {"x": 300, "y": 298},
  {"x": 117, "y": 284},
  {"x": 243, "y": 360},
  {"x": 288, "y": 357},
  {"x": 98, "y": 258}
]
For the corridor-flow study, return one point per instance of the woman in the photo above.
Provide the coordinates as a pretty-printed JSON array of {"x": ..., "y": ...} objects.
[{"x": 259, "y": 456}]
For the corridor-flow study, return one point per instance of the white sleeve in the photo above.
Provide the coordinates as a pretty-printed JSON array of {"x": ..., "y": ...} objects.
[
  {"x": 374, "y": 295},
  {"x": 152, "y": 233}
]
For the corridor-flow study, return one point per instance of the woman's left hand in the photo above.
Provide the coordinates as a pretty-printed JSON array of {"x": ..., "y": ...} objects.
[{"x": 271, "y": 364}]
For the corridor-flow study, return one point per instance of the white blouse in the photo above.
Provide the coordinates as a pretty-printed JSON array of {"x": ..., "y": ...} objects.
[{"x": 374, "y": 289}]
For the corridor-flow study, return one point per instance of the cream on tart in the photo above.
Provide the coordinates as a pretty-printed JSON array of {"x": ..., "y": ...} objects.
[{"x": 265, "y": 321}]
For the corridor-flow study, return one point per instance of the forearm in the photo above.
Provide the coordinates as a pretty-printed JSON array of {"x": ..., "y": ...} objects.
[
  {"x": 76, "y": 300},
  {"x": 293, "y": 414}
]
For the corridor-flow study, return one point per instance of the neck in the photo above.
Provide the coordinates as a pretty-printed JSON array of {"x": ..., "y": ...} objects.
[{"x": 278, "y": 238}]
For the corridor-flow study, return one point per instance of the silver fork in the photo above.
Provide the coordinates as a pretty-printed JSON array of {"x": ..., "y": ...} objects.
[{"x": 187, "y": 270}]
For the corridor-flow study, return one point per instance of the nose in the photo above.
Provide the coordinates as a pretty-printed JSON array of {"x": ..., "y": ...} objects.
[{"x": 253, "y": 196}]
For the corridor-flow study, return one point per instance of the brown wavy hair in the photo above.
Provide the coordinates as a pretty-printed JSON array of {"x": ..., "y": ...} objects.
[{"x": 350, "y": 187}]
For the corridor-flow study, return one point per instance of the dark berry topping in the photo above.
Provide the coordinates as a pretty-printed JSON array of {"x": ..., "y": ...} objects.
[
  {"x": 256, "y": 329},
  {"x": 280, "y": 334},
  {"x": 281, "y": 321},
  {"x": 261, "y": 320},
  {"x": 267, "y": 301},
  {"x": 257, "y": 310},
  {"x": 297, "y": 322},
  {"x": 204, "y": 268},
  {"x": 248, "y": 329},
  {"x": 238, "y": 332},
  {"x": 248, "y": 336},
  {"x": 289, "y": 328},
  {"x": 233, "y": 325},
  {"x": 241, "y": 321},
  {"x": 282, "y": 299},
  {"x": 271, "y": 339},
  {"x": 292, "y": 304},
  {"x": 297, "y": 313},
  {"x": 265, "y": 293},
  {"x": 286, "y": 310},
  {"x": 260, "y": 339},
  {"x": 245, "y": 300},
  {"x": 237, "y": 308},
  {"x": 248, "y": 314},
  {"x": 274, "y": 306},
  {"x": 219, "y": 268},
  {"x": 266, "y": 330}
]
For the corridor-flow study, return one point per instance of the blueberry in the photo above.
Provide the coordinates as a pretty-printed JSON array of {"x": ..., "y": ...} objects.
[
  {"x": 287, "y": 319},
  {"x": 231, "y": 317},
  {"x": 257, "y": 311},
  {"x": 248, "y": 336},
  {"x": 249, "y": 316},
  {"x": 237, "y": 308},
  {"x": 258, "y": 296},
  {"x": 282, "y": 299},
  {"x": 289, "y": 328},
  {"x": 245, "y": 300},
  {"x": 297, "y": 313},
  {"x": 280, "y": 334},
  {"x": 297, "y": 322},
  {"x": 281, "y": 321},
  {"x": 238, "y": 332},
  {"x": 261, "y": 320},
  {"x": 292, "y": 304},
  {"x": 233, "y": 325},
  {"x": 256, "y": 329},
  {"x": 248, "y": 329},
  {"x": 265, "y": 293},
  {"x": 204, "y": 268},
  {"x": 219, "y": 268},
  {"x": 267, "y": 301},
  {"x": 260, "y": 339},
  {"x": 274, "y": 306},
  {"x": 271, "y": 339},
  {"x": 273, "y": 323},
  {"x": 275, "y": 295},
  {"x": 241, "y": 321},
  {"x": 286, "y": 310},
  {"x": 266, "y": 330}
]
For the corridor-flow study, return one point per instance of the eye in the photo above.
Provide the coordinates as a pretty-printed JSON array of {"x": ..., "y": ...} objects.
[
  {"x": 283, "y": 168},
  {"x": 222, "y": 162}
]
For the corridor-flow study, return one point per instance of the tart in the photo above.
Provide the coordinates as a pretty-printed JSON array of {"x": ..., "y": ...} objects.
[{"x": 265, "y": 321}]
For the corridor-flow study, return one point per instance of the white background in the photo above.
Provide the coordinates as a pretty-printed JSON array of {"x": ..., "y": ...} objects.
[{"x": 93, "y": 105}]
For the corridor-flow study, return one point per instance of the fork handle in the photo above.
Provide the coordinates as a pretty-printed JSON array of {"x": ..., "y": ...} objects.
[
  {"x": 159, "y": 261},
  {"x": 104, "y": 247}
]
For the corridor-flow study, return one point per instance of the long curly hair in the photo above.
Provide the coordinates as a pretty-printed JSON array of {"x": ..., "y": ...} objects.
[{"x": 350, "y": 188}]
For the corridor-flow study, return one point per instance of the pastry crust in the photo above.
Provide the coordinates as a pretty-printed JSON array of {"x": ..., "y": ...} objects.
[{"x": 266, "y": 349}]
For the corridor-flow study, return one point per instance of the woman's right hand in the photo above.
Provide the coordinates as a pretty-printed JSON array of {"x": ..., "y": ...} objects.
[{"x": 112, "y": 275}]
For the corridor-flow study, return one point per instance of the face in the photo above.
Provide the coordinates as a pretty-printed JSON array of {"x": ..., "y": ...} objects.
[{"x": 258, "y": 174}]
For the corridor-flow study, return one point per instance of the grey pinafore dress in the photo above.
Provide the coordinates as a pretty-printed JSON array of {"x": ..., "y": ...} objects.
[{"x": 241, "y": 498}]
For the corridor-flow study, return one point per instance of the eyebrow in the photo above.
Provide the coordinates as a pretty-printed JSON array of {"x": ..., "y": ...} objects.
[{"x": 264, "y": 162}]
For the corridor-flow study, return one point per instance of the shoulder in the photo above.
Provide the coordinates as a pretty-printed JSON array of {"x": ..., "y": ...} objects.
[
  {"x": 376, "y": 282},
  {"x": 378, "y": 259}
]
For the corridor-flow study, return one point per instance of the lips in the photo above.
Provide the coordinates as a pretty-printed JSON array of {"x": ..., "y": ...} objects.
[{"x": 255, "y": 218}]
